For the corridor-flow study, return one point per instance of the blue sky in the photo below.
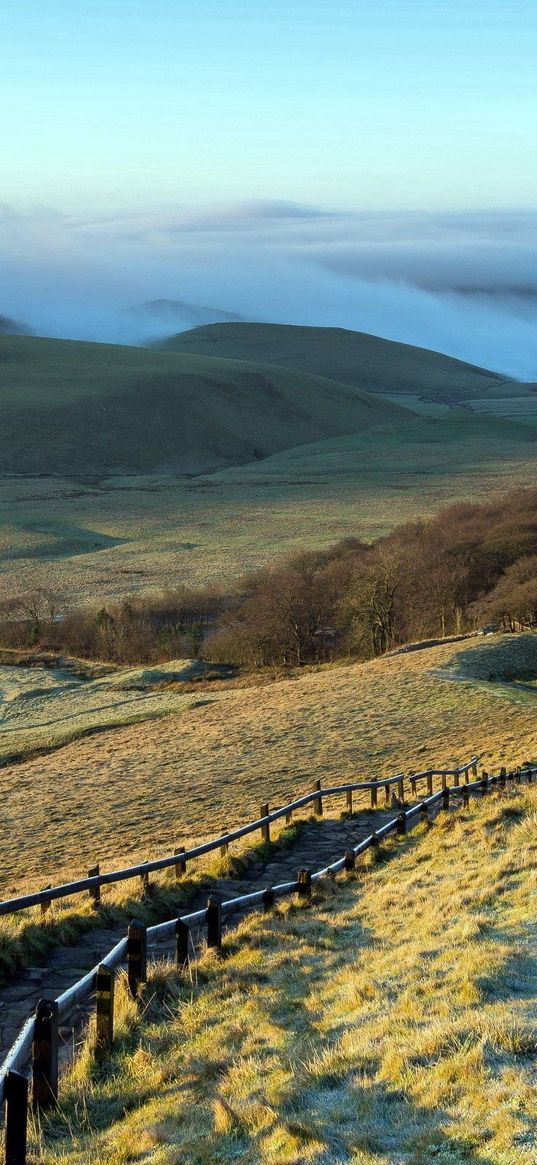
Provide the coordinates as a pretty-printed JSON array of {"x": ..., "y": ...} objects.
[{"x": 111, "y": 104}]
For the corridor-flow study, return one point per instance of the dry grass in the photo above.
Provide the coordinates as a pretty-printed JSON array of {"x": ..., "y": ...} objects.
[
  {"x": 138, "y": 791},
  {"x": 393, "y": 1022}
]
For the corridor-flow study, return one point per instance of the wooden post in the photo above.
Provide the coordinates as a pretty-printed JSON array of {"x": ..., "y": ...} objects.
[
  {"x": 136, "y": 956},
  {"x": 45, "y": 906},
  {"x": 456, "y": 778},
  {"x": 289, "y": 817},
  {"x": 104, "y": 994},
  {"x": 144, "y": 878},
  {"x": 318, "y": 803},
  {"x": 444, "y": 781},
  {"x": 349, "y": 800},
  {"x": 214, "y": 923},
  {"x": 304, "y": 883},
  {"x": 374, "y": 795},
  {"x": 16, "y": 1097},
  {"x": 445, "y": 797},
  {"x": 268, "y": 899},
  {"x": 180, "y": 867},
  {"x": 518, "y": 775},
  {"x": 265, "y": 829},
  {"x": 375, "y": 847},
  {"x": 424, "y": 814},
  {"x": 484, "y": 783},
  {"x": 225, "y": 846},
  {"x": 400, "y": 824},
  {"x": 95, "y": 891},
  {"x": 349, "y": 861},
  {"x": 45, "y": 1055},
  {"x": 387, "y": 795},
  {"x": 182, "y": 938},
  {"x": 401, "y": 785},
  {"x": 430, "y": 784},
  {"x": 465, "y": 796},
  {"x": 412, "y": 780},
  {"x": 502, "y": 778},
  {"x": 529, "y": 775}
]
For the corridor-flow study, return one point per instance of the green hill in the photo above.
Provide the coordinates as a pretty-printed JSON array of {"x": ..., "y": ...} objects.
[
  {"x": 75, "y": 408},
  {"x": 368, "y": 362}
]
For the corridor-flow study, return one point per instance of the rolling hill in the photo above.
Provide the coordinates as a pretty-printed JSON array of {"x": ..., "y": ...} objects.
[
  {"x": 368, "y": 362},
  {"x": 75, "y": 408}
]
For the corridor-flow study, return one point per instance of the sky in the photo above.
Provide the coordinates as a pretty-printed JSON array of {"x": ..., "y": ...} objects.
[{"x": 361, "y": 163}]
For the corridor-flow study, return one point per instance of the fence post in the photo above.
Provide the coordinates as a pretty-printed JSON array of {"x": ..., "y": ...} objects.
[
  {"x": 430, "y": 784},
  {"x": 349, "y": 860},
  {"x": 465, "y": 796},
  {"x": 16, "y": 1097},
  {"x": 265, "y": 829},
  {"x": 374, "y": 795},
  {"x": 387, "y": 794},
  {"x": 445, "y": 797},
  {"x": 412, "y": 780},
  {"x": 400, "y": 824},
  {"x": 136, "y": 956},
  {"x": 268, "y": 899},
  {"x": 529, "y": 775},
  {"x": 214, "y": 923},
  {"x": 289, "y": 817},
  {"x": 95, "y": 891},
  {"x": 401, "y": 784},
  {"x": 225, "y": 846},
  {"x": 304, "y": 883},
  {"x": 518, "y": 775},
  {"x": 474, "y": 770},
  {"x": 375, "y": 847},
  {"x": 45, "y": 1055},
  {"x": 144, "y": 878},
  {"x": 349, "y": 801},
  {"x": 104, "y": 991},
  {"x": 182, "y": 936},
  {"x": 484, "y": 783},
  {"x": 444, "y": 781},
  {"x": 424, "y": 814},
  {"x": 502, "y": 778},
  {"x": 45, "y": 906},
  {"x": 180, "y": 867},
  {"x": 318, "y": 803},
  {"x": 456, "y": 778}
]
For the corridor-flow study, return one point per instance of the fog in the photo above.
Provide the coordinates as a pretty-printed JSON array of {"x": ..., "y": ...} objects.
[{"x": 465, "y": 284}]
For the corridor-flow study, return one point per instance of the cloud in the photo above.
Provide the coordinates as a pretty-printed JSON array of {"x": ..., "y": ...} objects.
[{"x": 463, "y": 283}]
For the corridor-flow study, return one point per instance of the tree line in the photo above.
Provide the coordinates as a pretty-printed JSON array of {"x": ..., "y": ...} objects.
[{"x": 470, "y": 565}]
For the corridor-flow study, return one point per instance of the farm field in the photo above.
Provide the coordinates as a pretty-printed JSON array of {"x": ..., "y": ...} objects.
[
  {"x": 139, "y": 790},
  {"x": 348, "y": 1030}
]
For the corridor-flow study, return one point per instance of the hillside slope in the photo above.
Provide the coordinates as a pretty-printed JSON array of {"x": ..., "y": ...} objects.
[
  {"x": 368, "y": 362},
  {"x": 68, "y": 407},
  {"x": 392, "y": 1022}
]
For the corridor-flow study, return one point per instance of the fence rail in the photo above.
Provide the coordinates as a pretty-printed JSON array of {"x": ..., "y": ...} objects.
[
  {"x": 133, "y": 946},
  {"x": 94, "y": 881}
]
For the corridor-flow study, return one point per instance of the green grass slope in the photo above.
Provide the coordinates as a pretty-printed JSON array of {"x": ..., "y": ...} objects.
[
  {"x": 368, "y": 362},
  {"x": 77, "y": 408}
]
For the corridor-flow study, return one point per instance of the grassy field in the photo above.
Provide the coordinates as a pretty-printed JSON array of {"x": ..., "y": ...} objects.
[
  {"x": 135, "y": 532},
  {"x": 125, "y": 469},
  {"x": 136, "y": 792},
  {"x": 390, "y": 1022}
]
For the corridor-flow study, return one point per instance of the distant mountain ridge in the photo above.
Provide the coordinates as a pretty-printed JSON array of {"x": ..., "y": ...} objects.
[{"x": 10, "y": 327}]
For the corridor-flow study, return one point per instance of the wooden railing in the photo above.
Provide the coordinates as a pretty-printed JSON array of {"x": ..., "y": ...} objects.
[
  {"x": 95, "y": 879},
  {"x": 38, "y": 1039}
]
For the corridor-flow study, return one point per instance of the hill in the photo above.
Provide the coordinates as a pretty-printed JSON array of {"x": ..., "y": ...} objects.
[
  {"x": 9, "y": 327},
  {"x": 199, "y": 768},
  {"x": 368, "y": 362},
  {"x": 389, "y": 1022},
  {"x": 73, "y": 408}
]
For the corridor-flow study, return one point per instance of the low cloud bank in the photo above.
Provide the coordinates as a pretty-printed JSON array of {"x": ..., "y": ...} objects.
[{"x": 465, "y": 283}]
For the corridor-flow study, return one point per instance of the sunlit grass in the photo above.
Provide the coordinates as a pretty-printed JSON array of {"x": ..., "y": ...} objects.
[{"x": 393, "y": 1020}]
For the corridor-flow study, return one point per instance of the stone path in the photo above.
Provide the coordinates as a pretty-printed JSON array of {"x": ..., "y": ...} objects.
[{"x": 318, "y": 845}]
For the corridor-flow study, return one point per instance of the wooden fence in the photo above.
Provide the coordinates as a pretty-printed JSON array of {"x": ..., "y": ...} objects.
[{"x": 38, "y": 1039}]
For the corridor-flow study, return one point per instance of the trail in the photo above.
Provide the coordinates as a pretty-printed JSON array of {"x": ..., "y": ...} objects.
[{"x": 318, "y": 844}]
